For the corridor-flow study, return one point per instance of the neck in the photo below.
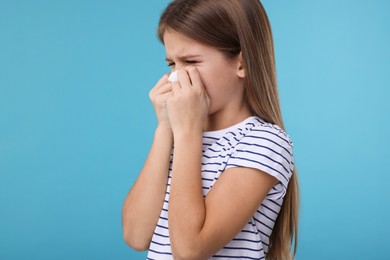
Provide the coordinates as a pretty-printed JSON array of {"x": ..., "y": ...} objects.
[{"x": 227, "y": 117}]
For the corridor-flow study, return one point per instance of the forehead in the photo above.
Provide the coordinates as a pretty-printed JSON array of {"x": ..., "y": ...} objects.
[{"x": 177, "y": 45}]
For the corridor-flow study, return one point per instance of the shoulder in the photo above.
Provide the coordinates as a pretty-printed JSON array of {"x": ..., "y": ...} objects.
[
  {"x": 265, "y": 146},
  {"x": 259, "y": 131}
]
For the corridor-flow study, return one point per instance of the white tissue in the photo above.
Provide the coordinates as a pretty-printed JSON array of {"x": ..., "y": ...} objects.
[{"x": 173, "y": 77}]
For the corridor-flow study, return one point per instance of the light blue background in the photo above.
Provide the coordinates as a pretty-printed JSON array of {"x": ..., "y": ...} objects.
[{"x": 76, "y": 122}]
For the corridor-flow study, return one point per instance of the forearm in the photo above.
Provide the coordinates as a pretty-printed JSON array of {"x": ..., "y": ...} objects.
[
  {"x": 143, "y": 203},
  {"x": 186, "y": 206}
]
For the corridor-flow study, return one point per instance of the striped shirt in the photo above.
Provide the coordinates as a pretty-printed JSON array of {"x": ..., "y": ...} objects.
[{"x": 252, "y": 143}]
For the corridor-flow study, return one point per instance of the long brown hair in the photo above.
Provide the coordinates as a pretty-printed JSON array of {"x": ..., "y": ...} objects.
[{"x": 235, "y": 26}]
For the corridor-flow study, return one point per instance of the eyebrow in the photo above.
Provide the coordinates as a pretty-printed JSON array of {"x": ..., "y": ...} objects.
[{"x": 184, "y": 57}]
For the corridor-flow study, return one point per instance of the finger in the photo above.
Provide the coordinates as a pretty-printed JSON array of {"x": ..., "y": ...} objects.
[
  {"x": 184, "y": 78},
  {"x": 164, "y": 88},
  {"x": 176, "y": 87},
  {"x": 160, "y": 84},
  {"x": 195, "y": 78},
  {"x": 162, "y": 99},
  {"x": 162, "y": 81}
]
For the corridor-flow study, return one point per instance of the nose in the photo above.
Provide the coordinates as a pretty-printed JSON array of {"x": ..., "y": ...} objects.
[{"x": 180, "y": 66}]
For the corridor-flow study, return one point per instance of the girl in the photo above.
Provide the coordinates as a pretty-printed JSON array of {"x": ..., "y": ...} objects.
[{"x": 219, "y": 181}]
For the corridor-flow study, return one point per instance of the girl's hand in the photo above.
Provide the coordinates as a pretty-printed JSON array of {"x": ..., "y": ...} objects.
[
  {"x": 188, "y": 104},
  {"x": 158, "y": 95}
]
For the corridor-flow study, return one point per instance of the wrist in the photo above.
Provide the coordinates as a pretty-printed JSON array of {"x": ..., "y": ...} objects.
[
  {"x": 164, "y": 126},
  {"x": 164, "y": 131},
  {"x": 188, "y": 133}
]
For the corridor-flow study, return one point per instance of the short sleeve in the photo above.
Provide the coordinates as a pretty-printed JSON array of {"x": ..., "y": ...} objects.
[{"x": 267, "y": 149}]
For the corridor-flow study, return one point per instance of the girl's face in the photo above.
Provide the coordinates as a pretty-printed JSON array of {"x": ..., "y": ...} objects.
[{"x": 222, "y": 76}]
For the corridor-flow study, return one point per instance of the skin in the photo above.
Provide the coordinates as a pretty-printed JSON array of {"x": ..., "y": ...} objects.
[{"x": 208, "y": 96}]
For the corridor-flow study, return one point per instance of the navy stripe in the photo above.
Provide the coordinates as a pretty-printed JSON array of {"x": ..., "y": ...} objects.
[
  {"x": 214, "y": 157},
  {"x": 231, "y": 133},
  {"x": 250, "y": 231},
  {"x": 259, "y": 137},
  {"x": 211, "y": 163},
  {"x": 272, "y": 193},
  {"x": 157, "y": 234},
  {"x": 251, "y": 223},
  {"x": 209, "y": 171},
  {"x": 274, "y": 202},
  {"x": 260, "y": 120},
  {"x": 247, "y": 240},
  {"x": 269, "y": 209},
  {"x": 219, "y": 144},
  {"x": 265, "y": 147},
  {"x": 246, "y": 151},
  {"x": 242, "y": 248},
  {"x": 270, "y": 125},
  {"x": 162, "y": 227},
  {"x": 240, "y": 257},
  {"x": 273, "y": 221},
  {"x": 163, "y": 218},
  {"x": 275, "y": 134},
  {"x": 264, "y": 234},
  {"x": 161, "y": 253},
  {"x": 264, "y": 243},
  {"x": 259, "y": 221},
  {"x": 277, "y": 128},
  {"x": 160, "y": 244},
  {"x": 210, "y": 137},
  {"x": 266, "y": 165}
]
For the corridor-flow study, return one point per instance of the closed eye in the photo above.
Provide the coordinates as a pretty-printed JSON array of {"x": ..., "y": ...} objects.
[{"x": 171, "y": 64}]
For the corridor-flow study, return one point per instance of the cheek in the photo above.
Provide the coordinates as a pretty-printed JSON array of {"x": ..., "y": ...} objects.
[
  {"x": 214, "y": 92},
  {"x": 210, "y": 86},
  {"x": 218, "y": 80},
  {"x": 209, "y": 80}
]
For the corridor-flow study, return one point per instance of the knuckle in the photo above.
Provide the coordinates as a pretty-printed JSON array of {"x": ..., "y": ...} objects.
[
  {"x": 198, "y": 90},
  {"x": 191, "y": 69},
  {"x": 151, "y": 96}
]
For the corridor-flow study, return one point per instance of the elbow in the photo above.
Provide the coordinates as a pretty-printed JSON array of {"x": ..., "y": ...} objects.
[
  {"x": 135, "y": 237},
  {"x": 136, "y": 243}
]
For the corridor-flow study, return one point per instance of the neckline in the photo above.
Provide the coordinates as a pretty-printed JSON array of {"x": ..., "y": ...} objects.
[{"x": 220, "y": 132}]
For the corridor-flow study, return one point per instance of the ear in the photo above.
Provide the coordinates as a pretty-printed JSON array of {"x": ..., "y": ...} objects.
[{"x": 240, "y": 66}]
